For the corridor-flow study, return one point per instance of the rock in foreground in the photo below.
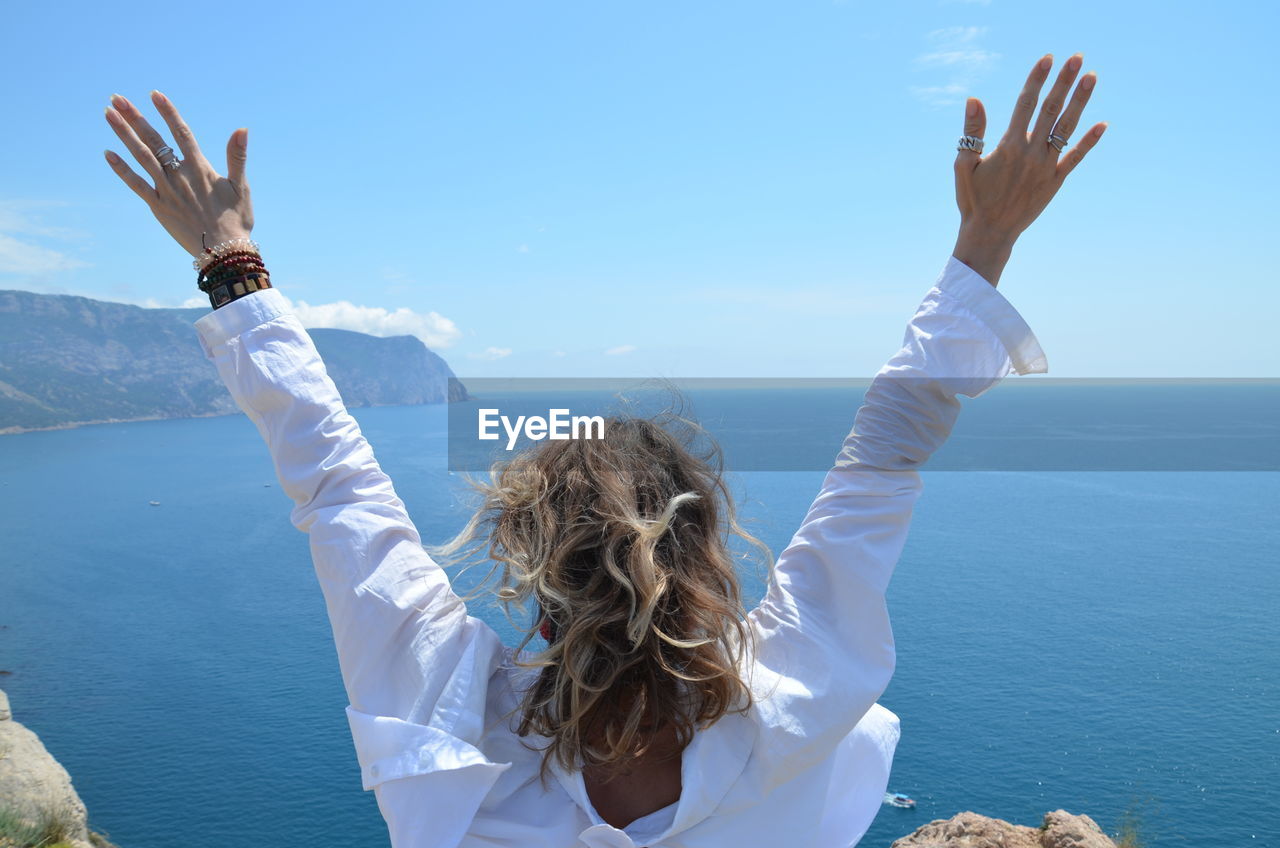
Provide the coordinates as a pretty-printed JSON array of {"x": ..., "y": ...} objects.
[
  {"x": 38, "y": 805},
  {"x": 970, "y": 830}
]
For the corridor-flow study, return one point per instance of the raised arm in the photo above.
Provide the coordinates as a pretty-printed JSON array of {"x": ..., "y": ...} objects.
[
  {"x": 824, "y": 647},
  {"x": 404, "y": 639},
  {"x": 415, "y": 664}
]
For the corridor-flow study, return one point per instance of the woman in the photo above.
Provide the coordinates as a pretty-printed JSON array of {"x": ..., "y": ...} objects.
[{"x": 658, "y": 714}]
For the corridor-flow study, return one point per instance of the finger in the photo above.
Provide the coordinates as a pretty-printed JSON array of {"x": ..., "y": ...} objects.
[
  {"x": 1071, "y": 115},
  {"x": 1076, "y": 154},
  {"x": 138, "y": 121},
  {"x": 237, "y": 147},
  {"x": 975, "y": 124},
  {"x": 146, "y": 158},
  {"x": 1026, "y": 103},
  {"x": 140, "y": 187},
  {"x": 182, "y": 134},
  {"x": 1055, "y": 99}
]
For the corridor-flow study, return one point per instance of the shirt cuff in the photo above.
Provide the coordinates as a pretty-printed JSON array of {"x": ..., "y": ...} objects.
[
  {"x": 976, "y": 294},
  {"x": 241, "y": 314}
]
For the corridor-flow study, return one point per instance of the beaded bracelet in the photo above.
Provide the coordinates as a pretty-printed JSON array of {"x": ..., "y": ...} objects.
[
  {"x": 221, "y": 249},
  {"x": 228, "y": 267},
  {"x": 231, "y": 270},
  {"x": 237, "y": 287},
  {"x": 237, "y": 256}
]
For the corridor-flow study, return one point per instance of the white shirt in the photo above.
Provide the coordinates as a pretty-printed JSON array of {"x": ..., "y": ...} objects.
[{"x": 429, "y": 684}]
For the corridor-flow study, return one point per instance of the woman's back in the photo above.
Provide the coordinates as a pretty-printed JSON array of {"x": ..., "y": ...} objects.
[{"x": 643, "y": 788}]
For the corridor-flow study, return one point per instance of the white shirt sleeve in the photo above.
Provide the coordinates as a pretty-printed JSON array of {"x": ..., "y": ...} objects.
[
  {"x": 415, "y": 665},
  {"x": 824, "y": 648}
]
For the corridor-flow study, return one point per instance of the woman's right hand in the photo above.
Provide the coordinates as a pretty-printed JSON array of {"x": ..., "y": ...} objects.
[{"x": 1000, "y": 194}]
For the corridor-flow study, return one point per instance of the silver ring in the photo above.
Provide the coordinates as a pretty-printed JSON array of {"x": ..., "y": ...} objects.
[
  {"x": 167, "y": 159},
  {"x": 1057, "y": 141},
  {"x": 970, "y": 142}
]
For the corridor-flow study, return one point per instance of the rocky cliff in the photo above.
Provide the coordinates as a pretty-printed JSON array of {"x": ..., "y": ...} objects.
[
  {"x": 38, "y": 805},
  {"x": 1060, "y": 829},
  {"x": 68, "y": 360}
]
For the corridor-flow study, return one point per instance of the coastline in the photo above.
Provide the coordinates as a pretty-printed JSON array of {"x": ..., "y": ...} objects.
[{"x": 72, "y": 425}]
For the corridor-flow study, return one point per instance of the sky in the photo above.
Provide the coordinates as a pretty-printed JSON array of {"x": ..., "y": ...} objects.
[{"x": 672, "y": 189}]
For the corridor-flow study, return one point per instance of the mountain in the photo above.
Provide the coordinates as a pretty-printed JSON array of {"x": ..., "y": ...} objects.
[{"x": 67, "y": 360}]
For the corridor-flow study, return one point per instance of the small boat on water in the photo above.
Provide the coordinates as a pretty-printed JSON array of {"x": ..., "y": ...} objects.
[{"x": 897, "y": 799}]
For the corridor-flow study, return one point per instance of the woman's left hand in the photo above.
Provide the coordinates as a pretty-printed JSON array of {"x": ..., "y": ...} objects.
[{"x": 195, "y": 204}]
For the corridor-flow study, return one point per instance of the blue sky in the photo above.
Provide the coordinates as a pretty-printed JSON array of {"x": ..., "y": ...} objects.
[{"x": 662, "y": 188}]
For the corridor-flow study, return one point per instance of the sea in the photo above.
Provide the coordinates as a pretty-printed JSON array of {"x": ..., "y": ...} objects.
[{"x": 1095, "y": 635}]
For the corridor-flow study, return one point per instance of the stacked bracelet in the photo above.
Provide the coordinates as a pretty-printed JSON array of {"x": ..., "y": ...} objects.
[
  {"x": 221, "y": 249},
  {"x": 234, "y": 265},
  {"x": 230, "y": 271}
]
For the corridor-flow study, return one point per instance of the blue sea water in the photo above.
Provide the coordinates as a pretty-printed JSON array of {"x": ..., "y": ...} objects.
[{"x": 1103, "y": 642}]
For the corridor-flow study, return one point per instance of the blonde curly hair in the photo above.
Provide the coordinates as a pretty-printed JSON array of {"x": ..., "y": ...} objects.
[{"x": 621, "y": 543}]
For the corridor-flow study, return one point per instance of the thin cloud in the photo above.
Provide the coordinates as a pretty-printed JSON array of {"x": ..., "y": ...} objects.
[
  {"x": 956, "y": 34},
  {"x": 955, "y": 52},
  {"x": 968, "y": 59},
  {"x": 18, "y": 257},
  {"x": 620, "y": 350},
  {"x": 432, "y": 328},
  {"x": 189, "y": 303},
  {"x": 22, "y": 255},
  {"x": 940, "y": 95},
  {"x": 814, "y": 299},
  {"x": 14, "y": 220},
  {"x": 490, "y": 354},
  {"x": 398, "y": 281}
]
